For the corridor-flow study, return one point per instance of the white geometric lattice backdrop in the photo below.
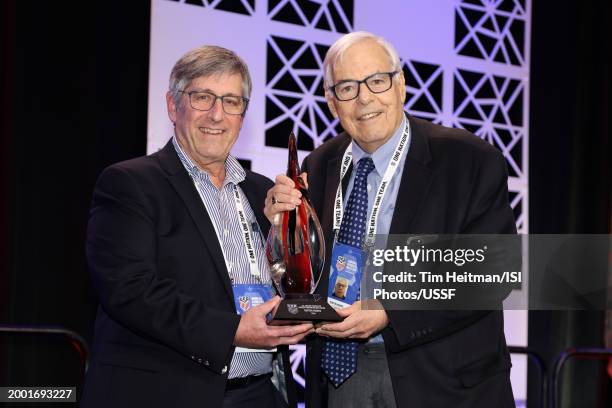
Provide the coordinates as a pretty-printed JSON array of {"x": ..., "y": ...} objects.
[{"x": 466, "y": 64}]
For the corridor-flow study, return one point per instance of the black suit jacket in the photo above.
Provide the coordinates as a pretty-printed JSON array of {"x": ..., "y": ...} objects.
[
  {"x": 167, "y": 320},
  {"x": 452, "y": 183}
]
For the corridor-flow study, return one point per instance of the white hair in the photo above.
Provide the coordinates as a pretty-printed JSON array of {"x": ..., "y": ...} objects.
[{"x": 336, "y": 51}]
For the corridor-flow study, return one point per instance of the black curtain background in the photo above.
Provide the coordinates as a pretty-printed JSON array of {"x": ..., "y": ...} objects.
[
  {"x": 570, "y": 168},
  {"x": 74, "y": 100}
]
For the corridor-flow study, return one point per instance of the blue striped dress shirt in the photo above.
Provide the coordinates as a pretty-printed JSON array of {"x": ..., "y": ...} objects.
[{"x": 221, "y": 208}]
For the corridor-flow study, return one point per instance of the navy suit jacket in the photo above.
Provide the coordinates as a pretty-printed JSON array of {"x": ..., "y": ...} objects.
[
  {"x": 167, "y": 320},
  {"x": 453, "y": 183}
]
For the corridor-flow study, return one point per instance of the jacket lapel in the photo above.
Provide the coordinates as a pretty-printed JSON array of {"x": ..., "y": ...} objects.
[
  {"x": 183, "y": 184},
  {"x": 256, "y": 198},
  {"x": 326, "y": 213},
  {"x": 415, "y": 183},
  {"x": 331, "y": 184}
]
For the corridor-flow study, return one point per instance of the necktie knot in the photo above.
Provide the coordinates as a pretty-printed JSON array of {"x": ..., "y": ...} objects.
[{"x": 364, "y": 167}]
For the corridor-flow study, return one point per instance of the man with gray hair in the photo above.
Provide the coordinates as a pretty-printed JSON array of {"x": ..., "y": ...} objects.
[
  {"x": 410, "y": 177},
  {"x": 175, "y": 249}
]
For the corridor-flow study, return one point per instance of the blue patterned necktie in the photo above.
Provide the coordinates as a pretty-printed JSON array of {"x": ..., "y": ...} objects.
[{"x": 339, "y": 358}]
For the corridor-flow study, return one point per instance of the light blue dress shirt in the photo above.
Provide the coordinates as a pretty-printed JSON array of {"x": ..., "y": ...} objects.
[{"x": 381, "y": 158}]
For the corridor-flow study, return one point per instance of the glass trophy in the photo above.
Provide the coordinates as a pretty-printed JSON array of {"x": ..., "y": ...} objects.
[{"x": 295, "y": 249}]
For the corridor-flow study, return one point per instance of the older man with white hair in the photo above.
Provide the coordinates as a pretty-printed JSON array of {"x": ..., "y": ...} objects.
[{"x": 434, "y": 180}]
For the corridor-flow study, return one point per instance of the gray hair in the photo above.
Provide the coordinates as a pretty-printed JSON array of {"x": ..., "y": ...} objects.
[
  {"x": 336, "y": 51},
  {"x": 206, "y": 61}
]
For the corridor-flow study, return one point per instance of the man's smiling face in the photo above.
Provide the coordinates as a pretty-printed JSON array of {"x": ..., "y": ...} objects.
[
  {"x": 371, "y": 118},
  {"x": 207, "y": 136}
]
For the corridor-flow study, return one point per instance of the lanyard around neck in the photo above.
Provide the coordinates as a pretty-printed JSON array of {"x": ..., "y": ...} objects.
[
  {"x": 245, "y": 231},
  {"x": 382, "y": 189}
]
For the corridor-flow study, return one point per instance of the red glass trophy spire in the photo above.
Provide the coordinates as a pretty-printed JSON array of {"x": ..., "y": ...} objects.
[
  {"x": 295, "y": 249},
  {"x": 295, "y": 246}
]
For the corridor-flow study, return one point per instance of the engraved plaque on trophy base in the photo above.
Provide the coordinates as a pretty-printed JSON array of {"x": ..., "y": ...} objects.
[{"x": 295, "y": 308}]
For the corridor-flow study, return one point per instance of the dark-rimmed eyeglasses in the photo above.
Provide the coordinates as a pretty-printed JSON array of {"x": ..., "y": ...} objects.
[
  {"x": 376, "y": 83},
  {"x": 203, "y": 101}
]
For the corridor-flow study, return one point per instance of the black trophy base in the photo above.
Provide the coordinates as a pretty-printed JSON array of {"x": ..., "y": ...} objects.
[{"x": 295, "y": 308}]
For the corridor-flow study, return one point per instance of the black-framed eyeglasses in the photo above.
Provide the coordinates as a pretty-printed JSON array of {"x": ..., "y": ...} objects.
[
  {"x": 203, "y": 101},
  {"x": 376, "y": 83}
]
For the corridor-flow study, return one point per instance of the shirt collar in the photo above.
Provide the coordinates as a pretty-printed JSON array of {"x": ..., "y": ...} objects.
[
  {"x": 382, "y": 156},
  {"x": 234, "y": 172}
]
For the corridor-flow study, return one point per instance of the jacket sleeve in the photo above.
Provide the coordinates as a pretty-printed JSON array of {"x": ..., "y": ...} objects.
[
  {"x": 121, "y": 252},
  {"x": 489, "y": 212}
]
